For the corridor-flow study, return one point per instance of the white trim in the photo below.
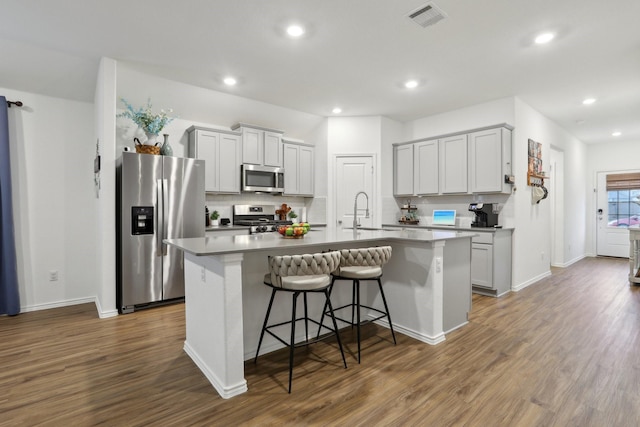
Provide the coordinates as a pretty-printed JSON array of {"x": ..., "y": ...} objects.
[
  {"x": 225, "y": 392},
  {"x": 58, "y": 304},
  {"x": 568, "y": 263},
  {"x": 416, "y": 335},
  {"x": 105, "y": 314},
  {"x": 530, "y": 281}
]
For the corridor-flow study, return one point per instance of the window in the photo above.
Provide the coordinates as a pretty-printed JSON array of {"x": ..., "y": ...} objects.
[{"x": 623, "y": 195}]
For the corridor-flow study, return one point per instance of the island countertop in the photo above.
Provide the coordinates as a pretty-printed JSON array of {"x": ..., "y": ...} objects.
[{"x": 220, "y": 245}]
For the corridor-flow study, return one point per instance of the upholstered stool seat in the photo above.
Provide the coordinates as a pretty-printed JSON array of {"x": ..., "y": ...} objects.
[
  {"x": 301, "y": 274},
  {"x": 361, "y": 265}
]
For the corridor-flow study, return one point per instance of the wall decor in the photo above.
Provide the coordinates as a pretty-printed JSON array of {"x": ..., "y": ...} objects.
[
  {"x": 96, "y": 169},
  {"x": 535, "y": 174}
]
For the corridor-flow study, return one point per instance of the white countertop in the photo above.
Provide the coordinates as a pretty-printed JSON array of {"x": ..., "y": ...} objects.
[{"x": 219, "y": 245}]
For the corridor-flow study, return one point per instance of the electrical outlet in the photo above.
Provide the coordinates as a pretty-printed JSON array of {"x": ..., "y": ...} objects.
[
  {"x": 542, "y": 256},
  {"x": 438, "y": 264},
  {"x": 53, "y": 275}
]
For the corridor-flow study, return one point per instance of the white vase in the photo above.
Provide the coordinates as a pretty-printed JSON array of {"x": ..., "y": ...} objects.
[
  {"x": 214, "y": 223},
  {"x": 152, "y": 138}
]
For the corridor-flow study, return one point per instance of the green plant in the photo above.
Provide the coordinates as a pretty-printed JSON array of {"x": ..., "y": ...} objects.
[
  {"x": 215, "y": 215},
  {"x": 293, "y": 215},
  {"x": 145, "y": 118}
]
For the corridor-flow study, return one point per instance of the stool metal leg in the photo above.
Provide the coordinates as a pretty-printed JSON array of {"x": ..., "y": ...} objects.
[
  {"x": 335, "y": 327},
  {"x": 324, "y": 309},
  {"x": 306, "y": 318},
  {"x": 264, "y": 325},
  {"x": 357, "y": 284},
  {"x": 386, "y": 307},
  {"x": 293, "y": 337}
]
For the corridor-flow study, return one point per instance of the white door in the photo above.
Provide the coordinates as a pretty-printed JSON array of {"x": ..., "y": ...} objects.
[
  {"x": 556, "y": 197},
  {"x": 354, "y": 174},
  {"x": 611, "y": 239}
]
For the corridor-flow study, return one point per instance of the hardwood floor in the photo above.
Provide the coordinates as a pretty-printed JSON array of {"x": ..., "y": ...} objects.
[{"x": 563, "y": 352}]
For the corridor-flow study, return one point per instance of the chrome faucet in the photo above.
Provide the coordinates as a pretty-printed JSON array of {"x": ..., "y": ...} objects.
[{"x": 355, "y": 209}]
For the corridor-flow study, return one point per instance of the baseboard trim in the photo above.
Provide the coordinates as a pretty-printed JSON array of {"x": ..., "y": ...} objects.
[
  {"x": 57, "y": 304},
  {"x": 427, "y": 339},
  {"x": 105, "y": 314},
  {"x": 530, "y": 281},
  {"x": 570, "y": 262},
  {"x": 223, "y": 391}
]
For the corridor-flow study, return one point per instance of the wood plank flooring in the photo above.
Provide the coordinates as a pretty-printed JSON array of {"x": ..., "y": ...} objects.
[{"x": 563, "y": 352}]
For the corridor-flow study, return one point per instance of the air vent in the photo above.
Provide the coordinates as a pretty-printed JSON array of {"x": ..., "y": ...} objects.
[{"x": 427, "y": 15}]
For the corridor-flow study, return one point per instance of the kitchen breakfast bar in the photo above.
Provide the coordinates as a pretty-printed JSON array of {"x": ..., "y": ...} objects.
[{"x": 427, "y": 284}]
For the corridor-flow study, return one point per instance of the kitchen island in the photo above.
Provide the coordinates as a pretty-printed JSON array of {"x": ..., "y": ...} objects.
[{"x": 427, "y": 285}]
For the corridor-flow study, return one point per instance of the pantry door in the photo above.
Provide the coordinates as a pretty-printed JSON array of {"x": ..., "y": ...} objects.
[{"x": 354, "y": 174}]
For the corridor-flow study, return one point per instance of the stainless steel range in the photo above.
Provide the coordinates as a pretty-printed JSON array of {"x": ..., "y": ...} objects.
[{"x": 259, "y": 218}]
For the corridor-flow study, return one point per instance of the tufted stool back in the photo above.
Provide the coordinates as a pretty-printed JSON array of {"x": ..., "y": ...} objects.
[
  {"x": 365, "y": 257},
  {"x": 302, "y": 265}
]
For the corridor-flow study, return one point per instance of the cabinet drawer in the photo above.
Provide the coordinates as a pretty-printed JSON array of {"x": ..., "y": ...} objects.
[{"x": 486, "y": 238}]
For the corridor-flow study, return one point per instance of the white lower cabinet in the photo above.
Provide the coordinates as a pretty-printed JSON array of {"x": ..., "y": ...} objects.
[
  {"x": 221, "y": 153},
  {"x": 491, "y": 262}
]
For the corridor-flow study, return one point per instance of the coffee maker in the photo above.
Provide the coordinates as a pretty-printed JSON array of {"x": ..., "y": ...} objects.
[{"x": 486, "y": 214}]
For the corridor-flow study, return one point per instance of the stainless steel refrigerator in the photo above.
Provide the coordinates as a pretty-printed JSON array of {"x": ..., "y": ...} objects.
[{"x": 158, "y": 197}]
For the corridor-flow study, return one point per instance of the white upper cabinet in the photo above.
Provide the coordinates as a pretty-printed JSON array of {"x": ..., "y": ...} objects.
[
  {"x": 403, "y": 170},
  {"x": 490, "y": 160},
  {"x": 260, "y": 146},
  {"x": 426, "y": 168},
  {"x": 453, "y": 164},
  {"x": 461, "y": 163},
  {"x": 298, "y": 161},
  {"x": 221, "y": 153}
]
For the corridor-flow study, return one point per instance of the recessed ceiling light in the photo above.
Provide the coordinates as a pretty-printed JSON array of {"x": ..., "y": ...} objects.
[
  {"x": 589, "y": 101},
  {"x": 337, "y": 110},
  {"x": 544, "y": 38},
  {"x": 230, "y": 81},
  {"x": 295, "y": 30},
  {"x": 411, "y": 84},
  {"x": 616, "y": 133}
]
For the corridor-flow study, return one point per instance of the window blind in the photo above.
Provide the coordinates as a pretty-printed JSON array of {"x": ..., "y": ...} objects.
[{"x": 623, "y": 181}]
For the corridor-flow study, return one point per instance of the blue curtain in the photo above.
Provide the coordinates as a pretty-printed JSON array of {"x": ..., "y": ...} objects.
[{"x": 9, "y": 297}]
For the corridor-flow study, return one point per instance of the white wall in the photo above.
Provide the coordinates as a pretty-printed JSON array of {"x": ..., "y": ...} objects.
[
  {"x": 620, "y": 156},
  {"x": 52, "y": 150},
  {"x": 532, "y": 237},
  {"x": 354, "y": 135},
  {"x": 104, "y": 206}
]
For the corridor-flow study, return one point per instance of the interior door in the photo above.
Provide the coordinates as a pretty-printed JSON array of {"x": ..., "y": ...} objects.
[
  {"x": 611, "y": 240},
  {"x": 354, "y": 174}
]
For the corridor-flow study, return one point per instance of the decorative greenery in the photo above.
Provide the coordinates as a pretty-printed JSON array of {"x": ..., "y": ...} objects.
[
  {"x": 215, "y": 215},
  {"x": 293, "y": 215},
  {"x": 145, "y": 118}
]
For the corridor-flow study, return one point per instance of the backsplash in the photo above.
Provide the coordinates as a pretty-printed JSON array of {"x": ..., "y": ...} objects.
[
  {"x": 391, "y": 211},
  {"x": 223, "y": 203}
]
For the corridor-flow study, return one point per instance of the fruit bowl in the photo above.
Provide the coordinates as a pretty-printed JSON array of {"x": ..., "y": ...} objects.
[{"x": 294, "y": 231}]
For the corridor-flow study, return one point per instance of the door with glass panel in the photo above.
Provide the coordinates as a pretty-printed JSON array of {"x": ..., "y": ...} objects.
[{"x": 618, "y": 208}]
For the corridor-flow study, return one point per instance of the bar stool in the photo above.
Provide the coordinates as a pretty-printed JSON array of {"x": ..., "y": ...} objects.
[
  {"x": 356, "y": 265},
  {"x": 300, "y": 274}
]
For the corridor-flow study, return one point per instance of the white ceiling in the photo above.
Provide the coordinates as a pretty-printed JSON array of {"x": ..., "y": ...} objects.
[{"x": 356, "y": 54}]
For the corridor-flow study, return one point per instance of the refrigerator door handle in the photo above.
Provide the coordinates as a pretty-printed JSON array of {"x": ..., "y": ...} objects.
[
  {"x": 165, "y": 214},
  {"x": 159, "y": 217}
]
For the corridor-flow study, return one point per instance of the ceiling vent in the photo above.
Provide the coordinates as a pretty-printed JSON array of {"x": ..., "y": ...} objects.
[{"x": 427, "y": 15}]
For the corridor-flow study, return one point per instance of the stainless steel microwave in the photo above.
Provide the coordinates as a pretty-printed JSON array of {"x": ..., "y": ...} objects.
[{"x": 265, "y": 179}]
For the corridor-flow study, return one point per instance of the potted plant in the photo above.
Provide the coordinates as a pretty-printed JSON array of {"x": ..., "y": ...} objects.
[
  {"x": 150, "y": 122},
  {"x": 214, "y": 218},
  {"x": 293, "y": 216}
]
